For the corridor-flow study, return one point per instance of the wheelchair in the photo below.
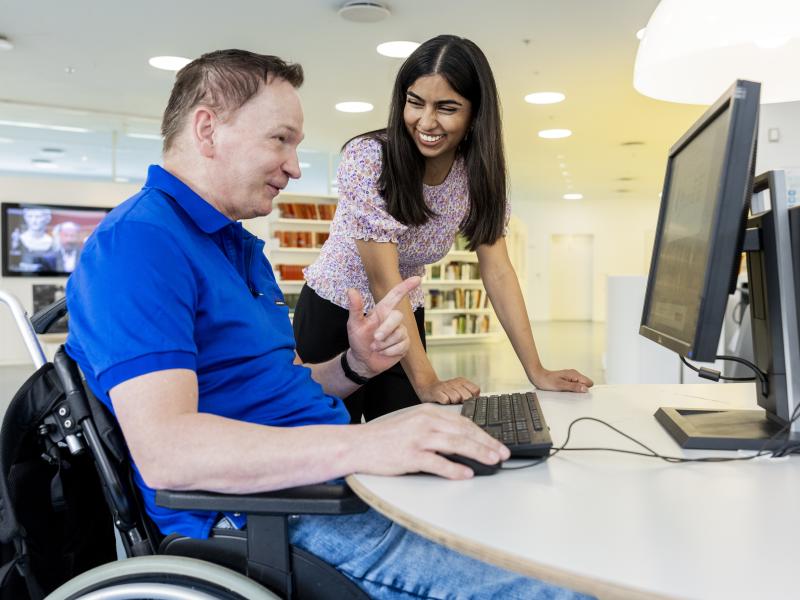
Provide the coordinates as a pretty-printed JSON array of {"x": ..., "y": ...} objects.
[{"x": 66, "y": 485}]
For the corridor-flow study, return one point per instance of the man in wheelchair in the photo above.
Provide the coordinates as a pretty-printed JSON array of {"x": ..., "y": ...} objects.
[{"x": 178, "y": 324}]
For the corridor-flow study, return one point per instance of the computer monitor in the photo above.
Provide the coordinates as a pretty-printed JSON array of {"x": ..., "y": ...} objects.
[
  {"x": 703, "y": 209},
  {"x": 700, "y": 236},
  {"x": 45, "y": 240}
]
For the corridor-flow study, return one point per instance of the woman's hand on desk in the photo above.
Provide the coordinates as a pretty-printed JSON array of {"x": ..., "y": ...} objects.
[
  {"x": 565, "y": 380},
  {"x": 413, "y": 440},
  {"x": 450, "y": 391}
]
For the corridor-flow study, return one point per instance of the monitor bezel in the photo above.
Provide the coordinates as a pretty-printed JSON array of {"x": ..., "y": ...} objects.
[
  {"x": 4, "y": 210},
  {"x": 729, "y": 217}
]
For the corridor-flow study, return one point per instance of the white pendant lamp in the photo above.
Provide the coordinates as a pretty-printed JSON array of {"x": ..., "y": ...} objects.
[{"x": 692, "y": 50}]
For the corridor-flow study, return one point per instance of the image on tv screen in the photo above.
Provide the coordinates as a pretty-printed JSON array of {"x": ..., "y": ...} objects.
[{"x": 45, "y": 240}]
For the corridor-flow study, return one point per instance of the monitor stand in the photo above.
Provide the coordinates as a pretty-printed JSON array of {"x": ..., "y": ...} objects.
[{"x": 714, "y": 429}]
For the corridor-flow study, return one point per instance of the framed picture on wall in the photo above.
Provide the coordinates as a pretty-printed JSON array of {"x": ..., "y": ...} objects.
[{"x": 45, "y": 240}]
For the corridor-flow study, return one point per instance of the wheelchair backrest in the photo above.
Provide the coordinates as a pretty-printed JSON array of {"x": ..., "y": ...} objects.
[
  {"x": 65, "y": 478},
  {"x": 54, "y": 522}
]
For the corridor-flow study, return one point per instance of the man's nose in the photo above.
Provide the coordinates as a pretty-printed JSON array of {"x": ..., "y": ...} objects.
[{"x": 292, "y": 166}]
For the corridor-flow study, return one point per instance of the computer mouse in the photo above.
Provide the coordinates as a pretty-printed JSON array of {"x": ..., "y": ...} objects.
[{"x": 477, "y": 467}]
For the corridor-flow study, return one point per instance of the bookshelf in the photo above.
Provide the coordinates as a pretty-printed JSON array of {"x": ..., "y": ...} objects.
[
  {"x": 293, "y": 234},
  {"x": 457, "y": 309},
  {"x": 461, "y": 315}
]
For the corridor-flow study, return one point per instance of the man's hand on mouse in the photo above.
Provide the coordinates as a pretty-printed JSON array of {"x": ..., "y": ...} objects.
[{"x": 413, "y": 441}]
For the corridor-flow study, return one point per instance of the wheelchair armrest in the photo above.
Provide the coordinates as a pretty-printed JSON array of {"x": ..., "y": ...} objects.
[{"x": 322, "y": 499}]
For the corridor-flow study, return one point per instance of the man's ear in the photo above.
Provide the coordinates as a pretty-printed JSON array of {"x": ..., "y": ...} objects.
[{"x": 204, "y": 123}]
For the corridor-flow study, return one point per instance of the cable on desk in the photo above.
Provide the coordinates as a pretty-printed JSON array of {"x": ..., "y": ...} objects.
[{"x": 790, "y": 447}]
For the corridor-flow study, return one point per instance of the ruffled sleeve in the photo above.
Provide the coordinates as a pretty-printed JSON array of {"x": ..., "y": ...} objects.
[{"x": 362, "y": 210}]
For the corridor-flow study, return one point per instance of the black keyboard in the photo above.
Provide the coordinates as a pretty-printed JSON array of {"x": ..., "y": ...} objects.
[{"x": 514, "y": 419}]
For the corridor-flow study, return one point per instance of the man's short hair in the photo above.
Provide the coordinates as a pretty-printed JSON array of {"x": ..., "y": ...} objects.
[{"x": 224, "y": 81}]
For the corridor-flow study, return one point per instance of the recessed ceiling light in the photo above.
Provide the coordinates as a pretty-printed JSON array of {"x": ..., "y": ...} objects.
[
  {"x": 84, "y": 158},
  {"x": 364, "y": 11},
  {"x": 28, "y": 125},
  {"x": 397, "y": 49},
  {"x": 5, "y": 43},
  {"x": 69, "y": 70},
  {"x": 572, "y": 196},
  {"x": 565, "y": 173},
  {"x": 554, "y": 134},
  {"x": 144, "y": 136},
  {"x": 169, "y": 63},
  {"x": 544, "y": 98},
  {"x": 354, "y": 107},
  {"x": 640, "y": 33},
  {"x": 305, "y": 165}
]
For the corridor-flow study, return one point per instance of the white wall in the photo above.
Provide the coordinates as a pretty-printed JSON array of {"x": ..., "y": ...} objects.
[
  {"x": 785, "y": 153},
  {"x": 622, "y": 231},
  {"x": 48, "y": 191}
]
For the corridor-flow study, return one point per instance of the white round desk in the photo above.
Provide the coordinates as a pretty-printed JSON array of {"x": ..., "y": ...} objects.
[{"x": 616, "y": 525}]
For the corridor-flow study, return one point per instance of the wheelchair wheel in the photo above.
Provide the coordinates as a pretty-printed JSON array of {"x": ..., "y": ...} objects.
[{"x": 161, "y": 578}]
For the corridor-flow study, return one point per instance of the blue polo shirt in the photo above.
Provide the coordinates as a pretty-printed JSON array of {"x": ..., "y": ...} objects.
[{"x": 167, "y": 281}]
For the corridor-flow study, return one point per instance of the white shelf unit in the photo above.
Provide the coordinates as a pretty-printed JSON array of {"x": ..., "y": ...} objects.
[
  {"x": 279, "y": 255},
  {"x": 443, "y": 322}
]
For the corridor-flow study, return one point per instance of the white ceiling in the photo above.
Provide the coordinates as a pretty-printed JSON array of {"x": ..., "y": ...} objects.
[{"x": 584, "y": 48}]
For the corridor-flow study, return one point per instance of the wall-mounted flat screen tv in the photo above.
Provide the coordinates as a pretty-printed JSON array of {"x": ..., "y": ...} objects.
[{"x": 45, "y": 240}]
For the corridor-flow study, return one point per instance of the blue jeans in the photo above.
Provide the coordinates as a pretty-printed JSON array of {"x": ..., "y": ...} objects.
[{"x": 390, "y": 562}]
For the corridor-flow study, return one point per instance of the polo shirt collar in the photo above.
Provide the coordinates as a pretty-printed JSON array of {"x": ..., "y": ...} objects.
[{"x": 205, "y": 216}]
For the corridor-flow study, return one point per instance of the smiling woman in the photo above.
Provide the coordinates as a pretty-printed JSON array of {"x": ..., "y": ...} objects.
[{"x": 438, "y": 169}]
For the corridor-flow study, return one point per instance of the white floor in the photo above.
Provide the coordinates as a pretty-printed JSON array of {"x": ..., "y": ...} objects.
[{"x": 493, "y": 366}]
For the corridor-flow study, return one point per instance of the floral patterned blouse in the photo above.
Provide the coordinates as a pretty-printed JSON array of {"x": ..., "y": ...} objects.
[{"x": 361, "y": 215}]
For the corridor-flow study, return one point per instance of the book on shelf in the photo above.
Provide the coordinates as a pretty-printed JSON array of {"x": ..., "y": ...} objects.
[
  {"x": 463, "y": 324},
  {"x": 290, "y": 272},
  {"x": 326, "y": 211},
  {"x": 294, "y": 239},
  {"x": 459, "y": 271},
  {"x": 307, "y": 210},
  {"x": 457, "y": 298},
  {"x": 301, "y": 239}
]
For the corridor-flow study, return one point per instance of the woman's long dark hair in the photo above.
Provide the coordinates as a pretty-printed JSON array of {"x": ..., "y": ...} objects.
[{"x": 467, "y": 71}]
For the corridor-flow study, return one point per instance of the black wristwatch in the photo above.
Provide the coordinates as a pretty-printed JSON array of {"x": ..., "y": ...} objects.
[{"x": 349, "y": 373}]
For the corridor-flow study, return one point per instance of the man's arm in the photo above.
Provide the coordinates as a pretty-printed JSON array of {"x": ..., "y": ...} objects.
[{"x": 176, "y": 447}]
